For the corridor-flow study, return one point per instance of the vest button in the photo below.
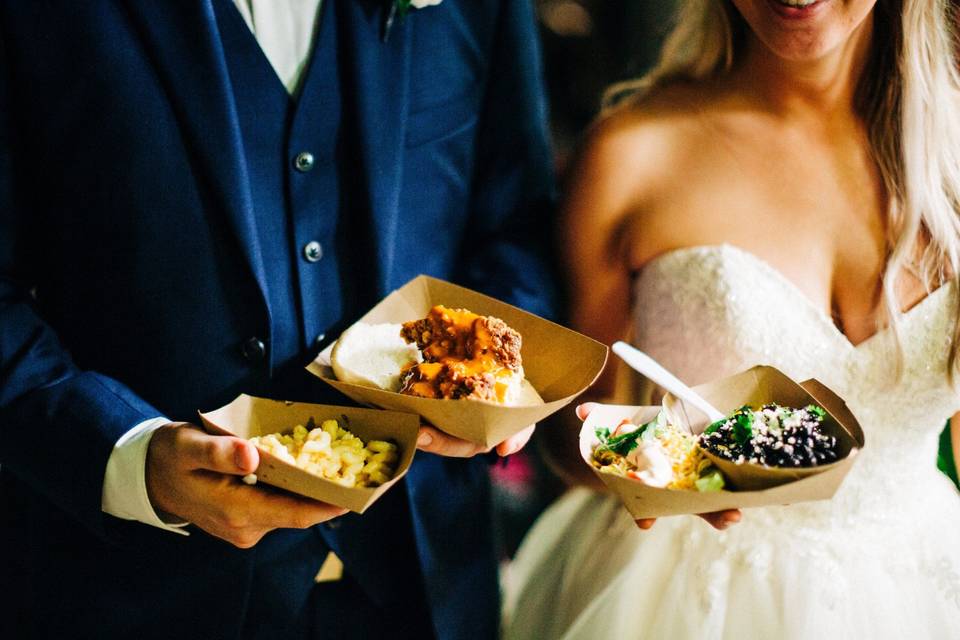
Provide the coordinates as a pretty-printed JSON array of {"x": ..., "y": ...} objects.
[
  {"x": 253, "y": 349},
  {"x": 312, "y": 251},
  {"x": 303, "y": 162}
]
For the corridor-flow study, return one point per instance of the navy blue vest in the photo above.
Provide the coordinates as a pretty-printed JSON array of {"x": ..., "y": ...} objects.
[
  {"x": 295, "y": 157},
  {"x": 300, "y": 180}
]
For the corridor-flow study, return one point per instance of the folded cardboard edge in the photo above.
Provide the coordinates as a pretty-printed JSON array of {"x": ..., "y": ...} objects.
[{"x": 836, "y": 407}]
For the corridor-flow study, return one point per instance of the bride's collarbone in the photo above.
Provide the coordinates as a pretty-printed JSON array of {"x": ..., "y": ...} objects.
[{"x": 836, "y": 264}]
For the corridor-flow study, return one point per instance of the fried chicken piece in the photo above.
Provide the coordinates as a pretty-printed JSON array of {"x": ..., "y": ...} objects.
[
  {"x": 461, "y": 334},
  {"x": 465, "y": 356},
  {"x": 448, "y": 379}
]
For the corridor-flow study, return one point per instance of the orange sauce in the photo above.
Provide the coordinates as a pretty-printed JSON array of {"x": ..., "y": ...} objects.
[{"x": 464, "y": 348}]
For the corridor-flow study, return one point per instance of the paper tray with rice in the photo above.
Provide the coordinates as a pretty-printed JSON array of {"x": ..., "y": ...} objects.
[{"x": 559, "y": 364}]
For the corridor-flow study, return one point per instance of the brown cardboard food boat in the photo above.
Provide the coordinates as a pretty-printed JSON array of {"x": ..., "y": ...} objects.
[
  {"x": 559, "y": 363},
  {"x": 248, "y": 416},
  {"x": 751, "y": 485}
]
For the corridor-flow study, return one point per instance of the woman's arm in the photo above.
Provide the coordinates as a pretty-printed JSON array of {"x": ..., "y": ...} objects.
[
  {"x": 607, "y": 232},
  {"x": 595, "y": 246}
]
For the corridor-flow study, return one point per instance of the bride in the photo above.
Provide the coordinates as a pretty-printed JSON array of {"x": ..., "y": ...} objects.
[{"x": 784, "y": 189}]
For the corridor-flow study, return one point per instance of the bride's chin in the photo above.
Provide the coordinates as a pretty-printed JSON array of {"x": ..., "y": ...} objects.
[{"x": 804, "y": 30}]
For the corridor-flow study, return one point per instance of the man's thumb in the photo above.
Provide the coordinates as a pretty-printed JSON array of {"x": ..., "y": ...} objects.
[{"x": 224, "y": 454}]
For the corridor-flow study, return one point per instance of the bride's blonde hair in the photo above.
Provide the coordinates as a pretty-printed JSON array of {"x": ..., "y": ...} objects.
[{"x": 909, "y": 98}]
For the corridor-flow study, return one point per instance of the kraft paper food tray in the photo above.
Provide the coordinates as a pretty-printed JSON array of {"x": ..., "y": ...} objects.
[
  {"x": 248, "y": 416},
  {"x": 755, "y": 386},
  {"x": 559, "y": 363}
]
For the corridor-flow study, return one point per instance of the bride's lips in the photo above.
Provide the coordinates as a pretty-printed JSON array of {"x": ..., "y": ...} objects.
[{"x": 797, "y": 9}]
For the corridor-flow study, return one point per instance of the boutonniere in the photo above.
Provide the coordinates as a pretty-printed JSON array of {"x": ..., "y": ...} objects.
[{"x": 399, "y": 9}]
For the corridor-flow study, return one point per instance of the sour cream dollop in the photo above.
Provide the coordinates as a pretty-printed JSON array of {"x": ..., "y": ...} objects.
[{"x": 652, "y": 463}]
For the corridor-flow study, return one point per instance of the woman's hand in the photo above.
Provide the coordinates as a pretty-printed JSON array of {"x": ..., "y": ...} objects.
[
  {"x": 719, "y": 520},
  {"x": 432, "y": 440}
]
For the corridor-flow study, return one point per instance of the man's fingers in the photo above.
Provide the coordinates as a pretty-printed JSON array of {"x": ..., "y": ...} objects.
[
  {"x": 283, "y": 511},
  {"x": 244, "y": 514},
  {"x": 433, "y": 441},
  {"x": 223, "y": 454},
  {"x": 722, "y": 519},
  {"x": 515, "y": 442},
  {"x": 584, "y": 410}
]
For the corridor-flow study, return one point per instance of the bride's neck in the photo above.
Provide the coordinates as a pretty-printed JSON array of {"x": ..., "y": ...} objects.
[{"x": 813, "y": 88}]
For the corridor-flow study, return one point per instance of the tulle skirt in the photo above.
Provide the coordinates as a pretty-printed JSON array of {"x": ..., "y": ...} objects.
[{"x": 586, "y": 571}]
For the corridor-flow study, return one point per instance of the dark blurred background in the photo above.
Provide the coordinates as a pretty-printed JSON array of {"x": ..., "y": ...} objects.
[{"x": 587, "y": 45}]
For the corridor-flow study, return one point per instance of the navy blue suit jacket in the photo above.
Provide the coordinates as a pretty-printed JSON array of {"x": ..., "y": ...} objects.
[{"x": 130, "y": 276}]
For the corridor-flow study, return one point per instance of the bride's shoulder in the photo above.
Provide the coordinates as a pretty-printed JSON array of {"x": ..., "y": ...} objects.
[
  {"x": 668, "y": 121},
  {"x": 638, "y": 154}
]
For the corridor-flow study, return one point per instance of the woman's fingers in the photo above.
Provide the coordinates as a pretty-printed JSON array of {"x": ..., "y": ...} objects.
[
  {"x": 583, "y": 410},
  {"x": 720, "y": 520}
]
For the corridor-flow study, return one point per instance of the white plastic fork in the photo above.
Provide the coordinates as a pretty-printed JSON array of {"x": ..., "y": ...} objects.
[{"x": 656, "y": 373}]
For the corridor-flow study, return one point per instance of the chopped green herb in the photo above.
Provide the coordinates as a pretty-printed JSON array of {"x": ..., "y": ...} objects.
[
  {"x": 743, "y": 427},
  {"x": 817, "y": 411},
  {"x": 622, "y": 444}
]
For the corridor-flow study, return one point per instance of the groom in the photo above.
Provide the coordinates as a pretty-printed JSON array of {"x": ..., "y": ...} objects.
[{"x": 193, "y": 203}]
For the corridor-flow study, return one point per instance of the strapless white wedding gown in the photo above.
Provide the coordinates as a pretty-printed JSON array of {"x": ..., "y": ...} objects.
[{"x": 879, "y": 560}]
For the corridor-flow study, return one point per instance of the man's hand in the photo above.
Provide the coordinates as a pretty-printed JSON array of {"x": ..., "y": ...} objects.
[
  {"x": 719, "y": 520},
  {"x": 194, "y": 476},
  {"x": 433, "y": 440}
]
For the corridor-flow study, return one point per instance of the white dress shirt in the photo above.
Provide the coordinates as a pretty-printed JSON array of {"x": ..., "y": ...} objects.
[{"x": 284, "y": 29}]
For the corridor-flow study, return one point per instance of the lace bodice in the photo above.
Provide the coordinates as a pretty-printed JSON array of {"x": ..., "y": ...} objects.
[{"x": 710, "y": 311}]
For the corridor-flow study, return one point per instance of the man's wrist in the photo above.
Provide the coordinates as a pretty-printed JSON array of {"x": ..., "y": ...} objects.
[{"x": 124, "y": 484}]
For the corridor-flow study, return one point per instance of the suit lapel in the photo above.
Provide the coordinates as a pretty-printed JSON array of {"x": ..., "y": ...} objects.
[
  {"x": 184, "y": 44},
  {"x": 378, "y": 80}
]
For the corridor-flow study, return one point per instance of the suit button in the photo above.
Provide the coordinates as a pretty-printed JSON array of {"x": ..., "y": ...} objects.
[
  {"x": 303, "y": 162},
  {"x": 253, "y": 349},
  {"x": 312, "y": 251}
]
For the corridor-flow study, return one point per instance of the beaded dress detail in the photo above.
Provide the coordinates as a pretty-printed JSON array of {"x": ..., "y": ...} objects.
[{"x": 879, "y": 560}]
